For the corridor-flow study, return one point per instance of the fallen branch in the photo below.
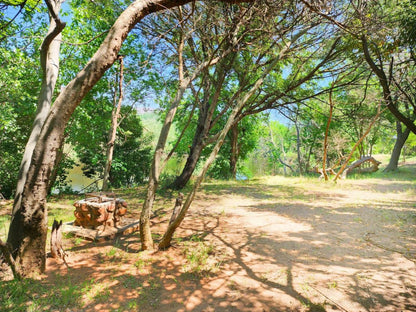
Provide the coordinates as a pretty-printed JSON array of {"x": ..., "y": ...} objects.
[
  {"x": 336, "y": 304},
  {"x": 404, "y": 254},
  {"x": 379, "y": 111}
]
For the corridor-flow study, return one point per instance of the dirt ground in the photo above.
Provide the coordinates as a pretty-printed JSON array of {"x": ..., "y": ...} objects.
[{"x": 278, "y": 244}]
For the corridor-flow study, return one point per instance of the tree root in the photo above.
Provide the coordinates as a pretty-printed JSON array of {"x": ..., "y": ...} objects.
[
  {"x": 7, "y": 256},
  {"x": 368, "y": 239}
]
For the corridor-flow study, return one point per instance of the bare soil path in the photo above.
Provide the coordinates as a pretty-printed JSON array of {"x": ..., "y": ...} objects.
[{"x": 278, "y": 244}]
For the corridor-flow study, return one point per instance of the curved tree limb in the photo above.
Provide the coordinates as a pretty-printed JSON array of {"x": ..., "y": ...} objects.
[
  {"x": 28, "y": 228},
  {"x": 386, "y": 89}
]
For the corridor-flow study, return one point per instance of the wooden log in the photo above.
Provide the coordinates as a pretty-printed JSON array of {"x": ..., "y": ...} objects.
[
  {"x": 57, "y": 250},
  {"x": 98, "y": 209},
  {"x": 321, "y": 172},
  {"x": 177, "y": 208},
  {"x": 121, "y": 211},
  {"x": 111, "y": 206},
  {"x": 102, "y": 214},
  {"x": 361, "y": 162}
]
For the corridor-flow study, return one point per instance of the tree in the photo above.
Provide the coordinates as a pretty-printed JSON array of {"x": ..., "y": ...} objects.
[
  {"x": 27, "y": 233},
  {"x": 49, "y": 60},
  {"x": 243, "y": 101},
  {"x": 292, "y": 31},
  {"x": 113, "y": 129},
  {"x": 279, "y": 134},
  {"x": 158, "y": 162},
  {"x": 240, "y": 141},
  {"x": 167, "y": 237},
  {"x": 382, "y": 31}
]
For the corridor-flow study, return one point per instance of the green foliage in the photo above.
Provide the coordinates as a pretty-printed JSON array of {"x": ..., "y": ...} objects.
[
  {"x": 406, "y": 13},
  {"x": 249, "y": 131},
  {"x": 276, "y": 142},
  {"x": 30, "y": 3},
  {"x": 132, "y": 152},
  {"x": 19, "y": 85},
  {"x": 411, "y": 143}
]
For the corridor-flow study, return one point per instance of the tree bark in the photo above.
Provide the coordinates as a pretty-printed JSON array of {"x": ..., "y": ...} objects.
[
  {"x": 234, "y": 151},
  {"x": 205, "y": 118},
  {"x": 49, "y": 60},
  {"x": 57, "y": 250},
  {"x": 331, "y": 108},
  {"x": 391, "y": 105},
  {"x": 54, "y": 174},
  {"x": 167, "y": 237},
  {"x": 401, "y": 137},
  {"x": 113, "y": 130},
  {"x": 298, "y": 143},
  {"x": 28, "y": 227}
]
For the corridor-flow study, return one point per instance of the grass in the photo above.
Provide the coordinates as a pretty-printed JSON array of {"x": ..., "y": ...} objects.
[
  {"x": 146, "y": 279},
  {"x": 32, "y": 295},
  {"x": 197, "y": 253},
  {"x": 4, "y": 226}
]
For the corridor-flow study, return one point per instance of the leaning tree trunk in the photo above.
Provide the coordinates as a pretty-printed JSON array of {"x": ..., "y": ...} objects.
[
  {"x": 344, "y": 165},
  {"x": 401, "y": 137},
  {"x": 113, "y": 130},
  {"x": 49, "y": 60},
  {"x": 165, "y": 242},
  {"x": 385, "y": 85},
  {"x": 191, "y": 161},
  {"x": 204, "y": 125},
  {"x": 157, "y": 165},
  {"x": 28, "y": 227}
]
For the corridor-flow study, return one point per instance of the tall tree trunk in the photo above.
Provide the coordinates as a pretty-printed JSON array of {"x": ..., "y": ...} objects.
[
  {"x": 385, "y": 85},
  {"x": 298, "y": 144},
  {"x": 113, "y": 130},
  {"x": 205, "y": 118},
  {"x": 28, "y": 227},
  {"x": 157, "y": 165},
  {"x": 49, "y": 60},
  {"x": 401, "y": 137},
  {"x": 331, "y": 108},
  {"x": 145, "y": 232},
  {"x": 54, "y": 174},
  {"x": 234, "y": 151},
  {"x": 167, "y": 237},
  {"x": 198, "y": 144}
]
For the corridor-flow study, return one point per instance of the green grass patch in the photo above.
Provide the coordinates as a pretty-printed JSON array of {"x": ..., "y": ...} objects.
[{"x": 34, "y": 295}]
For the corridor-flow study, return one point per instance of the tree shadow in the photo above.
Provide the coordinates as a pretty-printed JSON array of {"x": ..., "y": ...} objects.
[{"x": 283, "y": 254}]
